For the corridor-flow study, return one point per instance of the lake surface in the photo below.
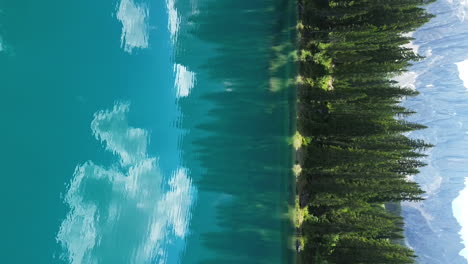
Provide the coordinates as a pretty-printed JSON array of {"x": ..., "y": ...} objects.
[{"x": 146, "y": 131}]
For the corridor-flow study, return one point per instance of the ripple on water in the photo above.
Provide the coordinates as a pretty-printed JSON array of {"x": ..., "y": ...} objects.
[{"x": 124, "y": 207}]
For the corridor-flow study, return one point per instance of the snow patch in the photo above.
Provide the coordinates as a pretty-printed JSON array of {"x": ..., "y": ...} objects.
[
  {"x": 463, "y": 72},
  {"x": 407, "y": 79},
  {"x": 459, "y": 207}
]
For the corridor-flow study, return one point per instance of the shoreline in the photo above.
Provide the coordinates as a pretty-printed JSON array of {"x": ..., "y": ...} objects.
[{"x": 298, "y": 150}]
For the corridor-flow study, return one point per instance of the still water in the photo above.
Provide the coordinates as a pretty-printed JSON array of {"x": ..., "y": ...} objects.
[{"x": 146, "y": 131}]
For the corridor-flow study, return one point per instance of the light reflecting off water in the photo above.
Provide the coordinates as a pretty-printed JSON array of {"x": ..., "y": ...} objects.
[
  {"x": 185, "y": 80},
  {"x": 173, "y": 19},
  {"x": 124, "y": 206},
  {"x": 134, "y": 19},
  {"x": 139, "y": 131}
]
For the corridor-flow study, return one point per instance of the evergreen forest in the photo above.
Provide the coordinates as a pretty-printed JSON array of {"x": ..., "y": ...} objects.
[{"x": 355, "y": 160}]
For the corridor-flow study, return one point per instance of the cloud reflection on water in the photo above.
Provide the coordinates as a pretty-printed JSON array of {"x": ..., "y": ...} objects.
[
  {"x": 124, "y": 207},
  {"x": 135, "y": 29}
]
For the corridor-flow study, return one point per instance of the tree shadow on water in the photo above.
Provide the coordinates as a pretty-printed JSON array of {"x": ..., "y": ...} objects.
[{"x": 242, "y": 149}]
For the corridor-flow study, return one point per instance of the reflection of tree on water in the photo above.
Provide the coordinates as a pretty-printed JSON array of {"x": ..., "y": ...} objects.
[{"x": 241, "y": 148}]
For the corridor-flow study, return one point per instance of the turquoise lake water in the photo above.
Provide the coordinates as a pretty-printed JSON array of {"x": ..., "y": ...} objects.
[{"x": 146, "y": 131}]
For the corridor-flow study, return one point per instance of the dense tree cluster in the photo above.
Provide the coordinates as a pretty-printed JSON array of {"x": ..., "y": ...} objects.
[{"x": 356, "y": 157}]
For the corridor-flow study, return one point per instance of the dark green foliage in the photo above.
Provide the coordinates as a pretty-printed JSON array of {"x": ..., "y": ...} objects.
[{"x": 358, "y": 158}]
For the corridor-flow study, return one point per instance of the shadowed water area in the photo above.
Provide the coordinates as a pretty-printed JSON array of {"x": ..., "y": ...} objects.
[{"x": 147, "y": 131}]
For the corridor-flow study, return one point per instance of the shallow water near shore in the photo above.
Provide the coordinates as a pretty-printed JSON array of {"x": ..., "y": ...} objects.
[{"x": 147, "y": 131}]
